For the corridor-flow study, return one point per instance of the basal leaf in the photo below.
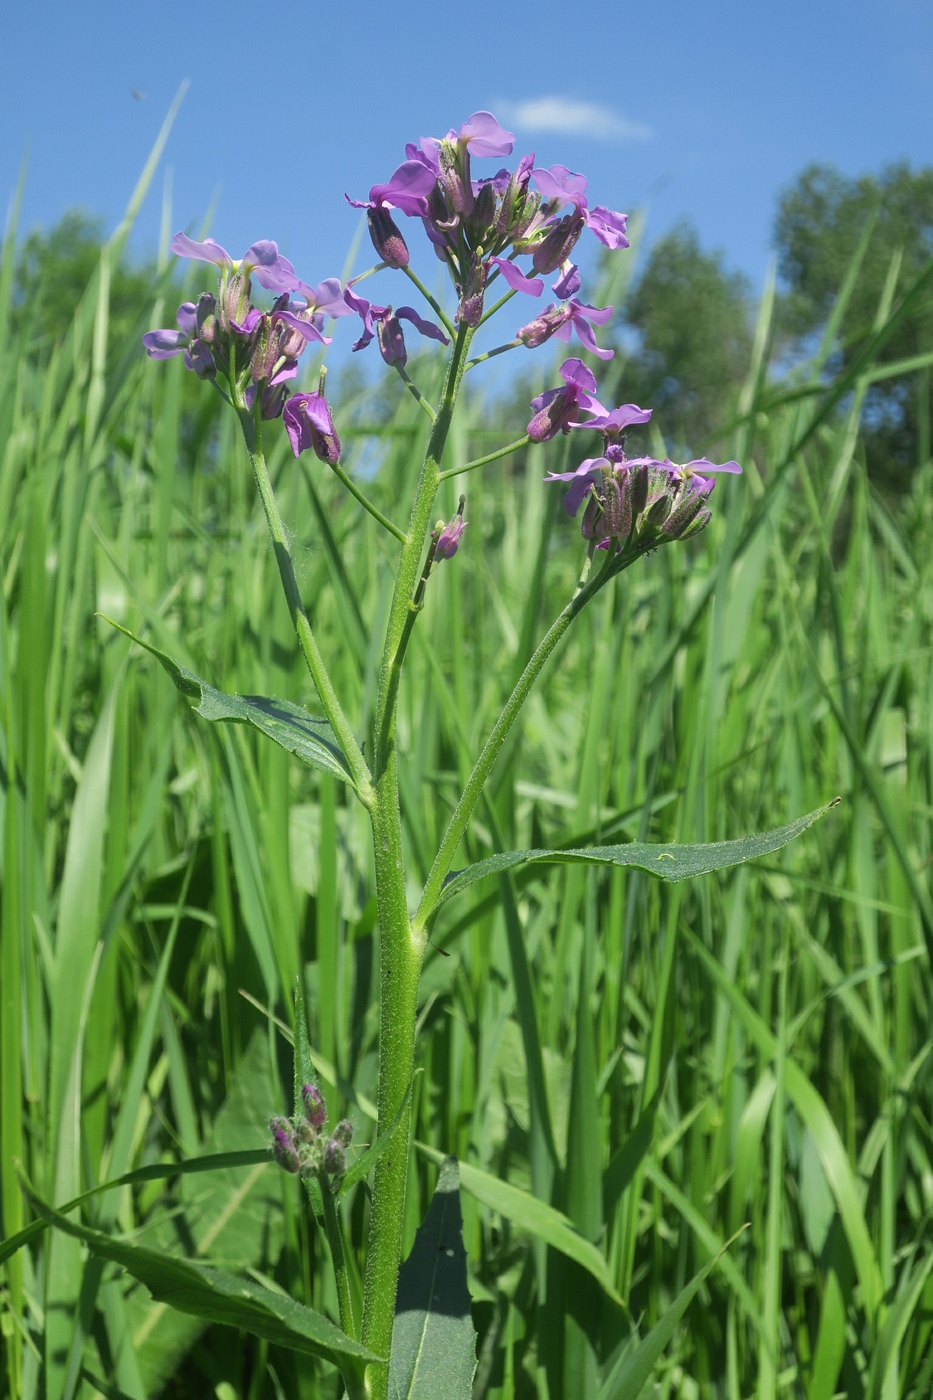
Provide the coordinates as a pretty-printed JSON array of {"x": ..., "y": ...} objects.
[
  {"x": 220, "y": 1297},
  {"x": 433, "y": 1341},
  {"x": 666, "y": 862},
  {"x": 311, "y": 739}
]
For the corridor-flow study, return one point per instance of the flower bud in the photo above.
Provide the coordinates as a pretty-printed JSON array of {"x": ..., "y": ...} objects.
[
  {"x": 698, "y": 523},
  {"x": 542, "y": 327},
  {"x": 335, "y": 1158},
  {"x": 206, "y": 318},
  {"x": 315, "y": 1108},
  {"x": 639, "y": 489},
  {"x": 483, "y": 216},
  {"x": 473, "y": 293},
  {"x": 234, "y": 304},
  {"x": 387, "y": 239},
  {"x": 199, "y": 358},
  {"x": 448, "y": 536},
  {"x": 343, "y": 1133},
  {"x": 284, "y": 1149},
  {"x": 657, "y": 513},
  {"x": 591, "y": 516},
  {"x": 439, "y": 211},
  {"x": 688, "y": 508},
  {"x": 558, "y": 243},
  {"x": 612, "y": 506},
  {"x": 454, "y": 175},
  {"x": 391, "y": 340}
]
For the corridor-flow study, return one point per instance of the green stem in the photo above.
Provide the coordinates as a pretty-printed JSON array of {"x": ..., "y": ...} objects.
[
  {"x": 367, "y": 504},
  {"x": 490, "y": 354},
  {"x": 490, "y": 456},
  {"x": 415, "y": 392},
  {"x": 335, "y": 1240},
  {"x": 400, "y": 948},
  {"x": 464, "y": 809},
  {"x": 497, "y": 306},
  {"x": 435, "y": 305},
  {"x": 359, "y": 770}
]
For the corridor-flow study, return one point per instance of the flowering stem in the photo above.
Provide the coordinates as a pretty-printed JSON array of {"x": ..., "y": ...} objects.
[
  {"x": 434, "y": 304},
  {"x": 377, "y": 514},
  {"x": 497, "y": 306},
  {"x": 335, "y": 1240},
  {"x": 415, "y": 392},
  {"x": 490, "y": 456},
  {"x": 458, "y": 822},
  {"x": 400, "y": 948},
  {"x": 360, "y": 276},
  {"x": 488, "y": 355},
  {"x": 359, "y": 770}
]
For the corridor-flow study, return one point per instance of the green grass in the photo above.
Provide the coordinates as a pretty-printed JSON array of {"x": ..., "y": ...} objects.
[{"x": 658, "y": 1065}]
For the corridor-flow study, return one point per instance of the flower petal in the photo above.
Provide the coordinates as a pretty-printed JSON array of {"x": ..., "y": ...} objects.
[
  {"x": 531, "y": 286},
  {"x": 575, "y": 372},
  {"x": 208, "y": 251},
  {"x": 187, "y": 318},
  {"x": 485, "y": 137},
  {"x": 608, "y": 226},
  {"x": 407, "y": 313},
  {"x": 305, "y": 328},
  {"x": 558, "y": 182},
  {"x": 163, "y": 344}
]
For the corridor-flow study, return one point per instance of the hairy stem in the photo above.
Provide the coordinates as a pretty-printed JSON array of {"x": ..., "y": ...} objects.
[
  {"x": 400, "y": 948},
  {"x": 335, "y": 1240},
  {"x": 359, "y": 770}
]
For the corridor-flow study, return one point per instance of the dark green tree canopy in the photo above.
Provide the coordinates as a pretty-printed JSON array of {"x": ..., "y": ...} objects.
[{"x": 692, "y": 328}]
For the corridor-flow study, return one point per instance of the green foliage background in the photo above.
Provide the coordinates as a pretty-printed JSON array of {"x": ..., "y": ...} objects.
[{"x": 658, "y": 1064}]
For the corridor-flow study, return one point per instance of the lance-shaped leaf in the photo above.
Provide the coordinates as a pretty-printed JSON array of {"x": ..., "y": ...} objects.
[
  {"x": 433, "y": 1341},
  {"x": 311, "y": 739},
  {"x": 666, "y": 862},
  {"x": 220, "y": 1297}
]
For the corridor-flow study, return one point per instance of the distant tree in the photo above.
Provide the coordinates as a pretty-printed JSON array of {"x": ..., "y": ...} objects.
[
  {"x": 819, "y": 221},
  {"x": 53, "y": 270},
  {"x": 691, "y": 323}
]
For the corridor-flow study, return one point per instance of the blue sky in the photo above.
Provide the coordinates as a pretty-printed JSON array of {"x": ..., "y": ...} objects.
[{"x": 704, "y": 110}]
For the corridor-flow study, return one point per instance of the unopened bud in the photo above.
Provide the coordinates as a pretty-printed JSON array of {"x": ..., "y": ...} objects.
[
  {"x": 335, "y": 1158},
  {"x": 448, "y": 536},
  {"x": 699, "y": 523},
  {"x": 284, "y": 1149},
  {"x": 591, "y": 516},
  {"x": 454, "y": 174},
  {"x": 343, "y": 1133},
  {"x": 481, "y": 219},
  {"x": 558, "y": 243},
  {"x": 206, "y": 318},
  {"x": 639, "y": 489},
  {"x": 472, "y": 294},
  {"x": 387, "y": 239},
  {"x": 391, "y": 340},
  {"x": 657, "y": 513},
  {"x": 612, "y": 507},
  {"x": 315, "y": 1108},
  {"x": 684, "y": 514}
]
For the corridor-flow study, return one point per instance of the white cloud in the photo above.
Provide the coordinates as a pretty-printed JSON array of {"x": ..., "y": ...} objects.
[{"x": 571, "y": 118}]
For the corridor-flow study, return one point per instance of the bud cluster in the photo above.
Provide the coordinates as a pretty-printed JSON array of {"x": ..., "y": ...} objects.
[
  {"x": 642, "y": 499},
  {"x": 302, "y": 1146}
]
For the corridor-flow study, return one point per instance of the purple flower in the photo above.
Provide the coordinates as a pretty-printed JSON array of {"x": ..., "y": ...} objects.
[
  {"x": 406, "y": 189},
  {"x": 558, "y": 409},
  {"x": 614, "y": 424},
  {"x": 587, "y": 474},
  {"x": 384, "y": 322},
  {"x": 309, "y": 425},
  {"x": 703, "y": 464},
  {"x": 447, "y": 536},
  {"x": 608, "y": 226},
  {"x": 272, "y": 271},
  {"x": 315, "y": 1108},
  {"x": 561, "y": 186},
  {"x": 573, "y": 315},
  {"x": 480, "y": 134},
  {"x": 568, "y": 284},
  {"x": 163, "y": 344},
  {"x": 531, "y": 286}
]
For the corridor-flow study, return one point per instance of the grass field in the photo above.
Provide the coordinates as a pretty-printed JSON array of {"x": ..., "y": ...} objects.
[{"x": 663, "y": 1065}]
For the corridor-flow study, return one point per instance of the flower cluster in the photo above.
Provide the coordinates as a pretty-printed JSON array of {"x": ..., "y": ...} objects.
[
  {"x": 479, "y": 227},
  {"x": 638, "y": 498},
  {"x": 302, "y": 1147},
  {"x": 224, "y": 334}
]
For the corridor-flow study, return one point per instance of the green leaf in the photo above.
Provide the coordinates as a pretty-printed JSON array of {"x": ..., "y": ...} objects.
[
  {"x": 220, "y": 1297},
  {"x": 667, "y": 862},
  {"x": 632, "y": 1372},
  {"x": 885, "y": 1353},
  {"x": 433, "y": 1341},
  {"x": 311, "y": 739},
  {"x": 621, "y": 1170},
  {"x": 530, "y": 1214}
]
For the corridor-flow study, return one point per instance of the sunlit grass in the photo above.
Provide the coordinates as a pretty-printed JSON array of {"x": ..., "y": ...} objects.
[{"x": 661, "y": 1065}]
